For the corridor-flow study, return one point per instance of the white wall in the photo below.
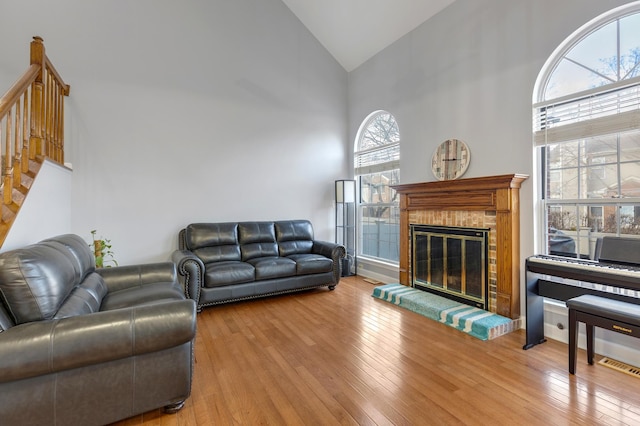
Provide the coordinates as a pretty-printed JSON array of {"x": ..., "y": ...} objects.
[{"x": 198, "y": 110}]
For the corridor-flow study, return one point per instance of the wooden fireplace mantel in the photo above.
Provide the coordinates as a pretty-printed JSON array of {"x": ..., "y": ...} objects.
[{"x": 499, "y": 194}]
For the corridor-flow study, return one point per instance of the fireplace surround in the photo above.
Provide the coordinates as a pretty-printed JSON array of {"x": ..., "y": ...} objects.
[{"x": 483, "y": 202}]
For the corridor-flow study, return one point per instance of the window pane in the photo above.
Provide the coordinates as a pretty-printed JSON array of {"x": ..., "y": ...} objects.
[
  {"x": 562, "y": 217},
  {"x": 630, "y": 179},
  {"x": 562, "y": 155},
  {"x": 380, "y": 232},
  {"x": 630, "y": 219},
  {"x": 610, "y": 219},
  {"x": 570, "y": 78},
  {"x": 375, "y": 188},
  {"x": 630, "y": 146},
  {"x": 381, "y": 129},
  {"x": 380, "y": 215},
  {"x": 585, "y": 243},
  {"x": 562, "y": 183},
  {"x": 561, "y": 225},
  {"x": 598, "y": 52},
  {"x": 595, "y": 218},
  {"x": 600, "y": 149},
  {"x": 600, "y": 181},
  {"x": 630, "y": 45}
]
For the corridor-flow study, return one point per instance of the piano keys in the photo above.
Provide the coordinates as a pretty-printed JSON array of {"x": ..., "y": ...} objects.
[{"x": 614, "y": 274}]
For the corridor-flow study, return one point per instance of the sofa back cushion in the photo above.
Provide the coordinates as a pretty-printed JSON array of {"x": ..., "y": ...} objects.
[
  {"x": 294, "y": 237},
  {"x": 35, "y": 280},
  {"x": 77, "y": 251},
  {"x": 213, "y": 242},
  {"x": 257, "y": 239}
]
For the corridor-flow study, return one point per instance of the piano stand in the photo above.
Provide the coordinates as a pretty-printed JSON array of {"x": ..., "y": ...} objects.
[
  {"x": 595, "y": 311},
  {"x": 535, "y": 314},
  {"x": 530, "y": 345}
]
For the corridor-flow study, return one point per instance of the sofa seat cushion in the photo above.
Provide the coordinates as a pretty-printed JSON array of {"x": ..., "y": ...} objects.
[
  {"x": 228, "y": 272},
  {"x": 273, "y": 267},
  {"x": 142, "y": 295},
  {"x": 311, "y": 263}
]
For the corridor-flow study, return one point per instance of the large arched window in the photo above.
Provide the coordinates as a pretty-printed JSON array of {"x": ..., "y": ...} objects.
[
  {"x": 587, "y": 136},
  {"x": 377, "y": 167}
]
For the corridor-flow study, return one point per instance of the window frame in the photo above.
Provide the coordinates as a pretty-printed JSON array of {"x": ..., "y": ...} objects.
[
  {"x": 362, "y": 168},
  {"x": 546, "y": 131}
]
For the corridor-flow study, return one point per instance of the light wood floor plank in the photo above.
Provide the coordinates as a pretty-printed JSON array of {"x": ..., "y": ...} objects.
[{"x": 343, "y": 357}]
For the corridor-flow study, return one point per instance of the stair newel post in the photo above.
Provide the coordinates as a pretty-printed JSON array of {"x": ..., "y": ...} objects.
[{"x": 37, "y": 99}]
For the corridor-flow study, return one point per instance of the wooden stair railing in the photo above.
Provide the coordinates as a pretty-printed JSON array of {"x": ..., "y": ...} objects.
[{"x": 31, "y": 129}]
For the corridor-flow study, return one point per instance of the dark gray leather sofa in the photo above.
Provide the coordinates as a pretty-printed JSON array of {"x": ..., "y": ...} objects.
[
  {"x": 85, "y": 346},
  {"x": 231, "y": 261}
]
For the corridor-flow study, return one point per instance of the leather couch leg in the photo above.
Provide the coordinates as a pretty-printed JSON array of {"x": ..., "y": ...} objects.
[{"x": 173, "y": 408}]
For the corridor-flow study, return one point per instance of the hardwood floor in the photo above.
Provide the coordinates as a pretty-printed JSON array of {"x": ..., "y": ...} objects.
[{"x": 342, "y": 357}]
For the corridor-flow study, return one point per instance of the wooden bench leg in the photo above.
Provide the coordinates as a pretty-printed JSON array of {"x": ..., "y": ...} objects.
[
  {"x": 573, "y": 341},
  {"x": 590, "y": 334}
]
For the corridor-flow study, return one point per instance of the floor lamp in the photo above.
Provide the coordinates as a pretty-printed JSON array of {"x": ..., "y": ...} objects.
[{"x": 346, "y": 223}]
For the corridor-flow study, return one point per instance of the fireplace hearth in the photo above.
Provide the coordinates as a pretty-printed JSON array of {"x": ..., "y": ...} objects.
[{"x": 452, "y": 262}]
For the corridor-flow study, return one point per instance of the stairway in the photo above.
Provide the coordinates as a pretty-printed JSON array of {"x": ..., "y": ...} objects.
[{"x": 19, "y": 194}]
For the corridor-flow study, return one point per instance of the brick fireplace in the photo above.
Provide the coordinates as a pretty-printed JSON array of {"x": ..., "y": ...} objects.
[{"x": 485, "y": 202}]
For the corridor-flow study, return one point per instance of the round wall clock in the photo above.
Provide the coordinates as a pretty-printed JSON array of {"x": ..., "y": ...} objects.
[{"x": 450, "y": 160}]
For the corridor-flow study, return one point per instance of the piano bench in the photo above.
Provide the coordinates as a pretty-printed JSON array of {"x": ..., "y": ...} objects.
[{"x": 595, "y": 311}]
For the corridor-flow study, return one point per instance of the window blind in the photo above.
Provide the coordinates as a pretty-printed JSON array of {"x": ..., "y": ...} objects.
[
  {"x": 591, "y": 113},
  {"x": 378, "y": 159}
]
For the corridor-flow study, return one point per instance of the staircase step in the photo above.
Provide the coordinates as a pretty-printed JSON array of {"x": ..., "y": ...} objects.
[
  {"x": 18, "y": 199},
  {"x": 7, "y": 216},
  {"x": 26, "y": 181}
]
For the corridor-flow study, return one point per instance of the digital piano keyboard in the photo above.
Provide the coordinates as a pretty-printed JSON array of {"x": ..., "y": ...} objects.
[{"x": 615, "y": 274}]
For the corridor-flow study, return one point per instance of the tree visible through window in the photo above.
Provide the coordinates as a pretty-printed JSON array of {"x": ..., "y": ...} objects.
[
  {"x": 377, "y": 167},
  {"x": 587, "y": 132}
]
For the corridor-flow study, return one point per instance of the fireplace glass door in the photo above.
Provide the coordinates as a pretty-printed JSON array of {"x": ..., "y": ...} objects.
[{"x": 451, "y": 261}]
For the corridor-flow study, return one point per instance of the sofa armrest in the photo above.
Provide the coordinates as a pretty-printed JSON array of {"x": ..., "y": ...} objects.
[
  {"x": 333, "y": 251},
  {"x": 190, "y": 272},
  {"x": 123, "y": 277},
  {"x": 45, "y": 347}
]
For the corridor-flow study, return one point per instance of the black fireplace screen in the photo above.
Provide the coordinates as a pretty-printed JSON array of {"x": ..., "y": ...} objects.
[{"x": 451, "y": 261}]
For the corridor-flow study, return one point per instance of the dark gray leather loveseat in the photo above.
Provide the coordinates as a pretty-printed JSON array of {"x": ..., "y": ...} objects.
[
  {"x": 231, "y": 261},
  {"x": 84, "y": 346}
]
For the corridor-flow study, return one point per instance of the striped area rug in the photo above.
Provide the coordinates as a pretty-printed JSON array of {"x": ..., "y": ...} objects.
[{"x": 478, "y": 323}]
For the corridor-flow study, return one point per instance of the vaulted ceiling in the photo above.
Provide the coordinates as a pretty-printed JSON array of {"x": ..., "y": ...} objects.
[{"x": 355, "y": 30}]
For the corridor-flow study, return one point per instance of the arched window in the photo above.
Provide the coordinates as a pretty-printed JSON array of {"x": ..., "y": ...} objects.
[
  {"x": 587, "y": 136},
  {"x": 377, "y": 167}
]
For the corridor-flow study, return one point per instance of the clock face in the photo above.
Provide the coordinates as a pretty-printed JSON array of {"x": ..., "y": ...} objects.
[{"x": 450, "y": 160}]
